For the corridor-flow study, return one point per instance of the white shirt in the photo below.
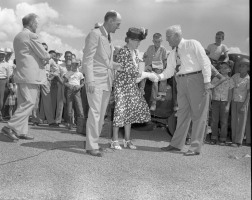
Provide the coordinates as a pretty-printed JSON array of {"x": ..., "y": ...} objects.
[
  {"x": 4, "y": 70},
  {"x": 62, "y": 69},
  {"x": 216, "y": 51},
  {"x": 12, "y": 66},
  {"x": 74, "y": 78},
  {"x": 193, "y": 58}
]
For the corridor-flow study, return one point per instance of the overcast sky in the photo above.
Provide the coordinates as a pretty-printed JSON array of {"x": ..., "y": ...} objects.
[{"x": 65, "y": 23}]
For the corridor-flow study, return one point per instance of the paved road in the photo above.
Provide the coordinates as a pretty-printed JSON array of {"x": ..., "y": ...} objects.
[{"x": 55, "y": 167}]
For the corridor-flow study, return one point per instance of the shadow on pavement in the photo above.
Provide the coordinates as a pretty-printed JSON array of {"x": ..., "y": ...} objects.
[
  {"x": 157, "y": 136},
  {"x": 69, "y": 146},
  {"x": 147, "y": 148},
  {"x": 58, "y": 129},
  {"x": 77, "y": 146}
]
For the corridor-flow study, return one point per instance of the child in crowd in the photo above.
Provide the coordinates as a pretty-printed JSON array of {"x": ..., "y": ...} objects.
[
  {"x": 221, "y": 99},
  {"x": 74, "y": 81},
  {"x": 215, "y": 50},
  {"x": 54, "y": 67},
  {"x": 11, "y": 100},
  {"x": 240, "y": 101},
  {"x": 155, "y": 59}
]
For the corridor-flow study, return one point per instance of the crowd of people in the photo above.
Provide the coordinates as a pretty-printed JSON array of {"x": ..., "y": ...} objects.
[{"x": 39, "y": 86}]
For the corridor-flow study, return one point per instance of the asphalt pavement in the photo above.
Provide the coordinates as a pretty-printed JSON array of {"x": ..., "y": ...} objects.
[{"x": 55, "y": 166}]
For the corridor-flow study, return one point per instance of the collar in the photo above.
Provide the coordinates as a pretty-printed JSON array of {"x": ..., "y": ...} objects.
[
  {"x": 26, "y": 29},
  {"x": 104, "y": 31},
  {"x": 182, "y": 41}
]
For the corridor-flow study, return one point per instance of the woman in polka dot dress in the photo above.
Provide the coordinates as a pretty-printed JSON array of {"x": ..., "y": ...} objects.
[{"x": 130, "y": 105}]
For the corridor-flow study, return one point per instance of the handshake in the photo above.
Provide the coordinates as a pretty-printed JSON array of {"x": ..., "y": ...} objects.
[{"x": 150, "y": 75}]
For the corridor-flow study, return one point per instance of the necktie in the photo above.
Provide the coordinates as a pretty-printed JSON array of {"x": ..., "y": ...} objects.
[
  {"x": 178, "y": 61},
  {"x": 109, "y": 38}
]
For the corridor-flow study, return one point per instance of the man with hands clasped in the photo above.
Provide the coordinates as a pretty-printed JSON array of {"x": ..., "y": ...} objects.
[{"x": 191, "y": 67}]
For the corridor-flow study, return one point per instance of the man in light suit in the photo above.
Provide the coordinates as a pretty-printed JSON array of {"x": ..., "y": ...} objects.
[
  {"x": 98, "y": 67},
  {"x": 191, "y": 67},
  {"x": 29, "y": 74}
]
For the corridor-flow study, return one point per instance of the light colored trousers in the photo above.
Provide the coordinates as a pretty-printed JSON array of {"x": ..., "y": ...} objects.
[
  {"x": 98, "y": 102},
  {"x": 26, "y": 100},
  {"x": 193, "y": 104},
  {"x": 238, "y": 122}
]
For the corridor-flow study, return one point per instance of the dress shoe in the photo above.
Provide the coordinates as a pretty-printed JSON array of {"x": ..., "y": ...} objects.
[
  {"x": 9, "y": 133},
  {"x": 54, "y": 125},
  {"x": 191, "y": 153},
  {"x": 170, "y": 148},
  {"x": 35, "y": 124},
  {"x": 95, "y": 152},
  {"x": 25, "y": 137},
  {"x": 236, "y": 145}
]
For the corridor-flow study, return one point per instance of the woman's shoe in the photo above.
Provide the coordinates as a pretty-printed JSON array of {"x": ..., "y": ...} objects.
[
  {"x": 115, "y": 145},
  {"x": 128, "y": 144}
]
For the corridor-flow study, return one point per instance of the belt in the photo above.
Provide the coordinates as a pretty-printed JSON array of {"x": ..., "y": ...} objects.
[{"x": 188, "y": 74}]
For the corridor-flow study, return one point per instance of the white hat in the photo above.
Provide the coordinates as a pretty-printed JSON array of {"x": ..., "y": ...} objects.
[
  {"x": 2, "y": 51},
  {"x": 57, "y": 52},
  {"x": 8, "y": 50}
]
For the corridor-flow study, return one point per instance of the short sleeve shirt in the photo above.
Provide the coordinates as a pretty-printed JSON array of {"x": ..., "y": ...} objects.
[
  {"x": 241, "y": 87},
  {"x": 152, "y": 55},
  {"x": 214, "y": 71},
  {"x": 54, "y": 68},
  {"x": 4, "y": 70},
  {"x": 220, "y": 92},
  {"x": 12, "y": 66},
  {"x": 216, "y": 51},
  {"x": 74, "y": 78},
  {"x": 62, "y": 69}
]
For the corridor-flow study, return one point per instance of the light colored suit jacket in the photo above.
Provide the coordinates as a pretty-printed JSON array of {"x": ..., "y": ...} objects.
[
  {"x": 97, "y": 59},
  {"x": 29, "y": 55}
]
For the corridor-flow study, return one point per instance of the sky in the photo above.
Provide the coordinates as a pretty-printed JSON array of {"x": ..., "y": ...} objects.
[{"x": 64, "y": 24}]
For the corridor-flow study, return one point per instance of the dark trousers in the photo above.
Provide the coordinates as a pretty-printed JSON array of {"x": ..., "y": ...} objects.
[
  {"x": 73, "y": 97},
  {"x": 46, "y": 110},
  {"x": 2, "y": 90},
  {"x": 219, "y": 114},
  {"x": 84, "y": 101}
]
